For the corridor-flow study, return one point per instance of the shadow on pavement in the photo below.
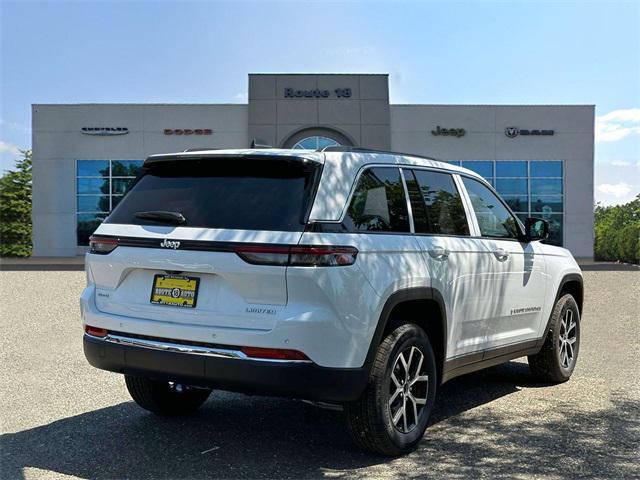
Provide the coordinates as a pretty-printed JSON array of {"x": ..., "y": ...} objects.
[{"x": 236, "y": 436}]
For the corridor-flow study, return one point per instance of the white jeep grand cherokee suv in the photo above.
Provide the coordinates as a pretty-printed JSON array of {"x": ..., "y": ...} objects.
[{"x": 348, "y": 276}]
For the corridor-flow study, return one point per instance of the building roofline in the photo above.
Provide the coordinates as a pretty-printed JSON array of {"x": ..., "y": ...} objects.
[
  {"x": 320, "y": 73},
  {"x": 492, "y": 105},
  {"x": 118, "y": 104}
]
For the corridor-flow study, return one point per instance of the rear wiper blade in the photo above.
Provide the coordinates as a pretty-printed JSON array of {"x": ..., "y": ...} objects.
[{"x": 162, "y": 216}]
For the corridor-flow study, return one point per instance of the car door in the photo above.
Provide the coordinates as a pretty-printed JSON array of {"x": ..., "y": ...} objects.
[
  {"x": 516, "y": 269},
  {"x": 454, "y": 259}
]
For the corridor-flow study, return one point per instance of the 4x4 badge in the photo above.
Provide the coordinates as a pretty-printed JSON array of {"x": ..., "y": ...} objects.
[{"x": 170, "y": 244}]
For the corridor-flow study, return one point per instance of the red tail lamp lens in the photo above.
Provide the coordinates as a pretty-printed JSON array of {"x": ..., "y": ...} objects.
[
  {"x": 273, "y": 353},
  {"x": 299, "y": 255},
  {"x": 95, "y": 331},
  {"x": 102, "y": 245}
]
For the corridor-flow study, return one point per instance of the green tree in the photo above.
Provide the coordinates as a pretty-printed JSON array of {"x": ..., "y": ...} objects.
[
  {"x": 15, "y": 209},
  {"x": 617, "y": 232}
]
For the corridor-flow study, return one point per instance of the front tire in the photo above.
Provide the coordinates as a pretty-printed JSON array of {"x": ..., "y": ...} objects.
[
  {"x": 392, "y": 414},
  {"x": 557, "y": 358},
  {"x": 166, "y": 398}
]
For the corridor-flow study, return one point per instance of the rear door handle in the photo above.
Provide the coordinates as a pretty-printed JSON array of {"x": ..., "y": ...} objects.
[
  {"x": 439, "y": 253},
  {"x": 501, "y": 254}
]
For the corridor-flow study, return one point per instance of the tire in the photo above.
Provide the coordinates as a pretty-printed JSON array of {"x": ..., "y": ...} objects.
[
  {"x": 557, "y": 358},
  {"x": 370, "y": 419},
  {"x": 165, "y": 398}
]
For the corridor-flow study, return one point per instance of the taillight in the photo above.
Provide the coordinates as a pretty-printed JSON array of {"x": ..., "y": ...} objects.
[
  {"x": 102, "y": 245},
  {"x": 273, "y": 353},
  {"x": 95, "y": 331},
  {"x": 298, "y": 256}
]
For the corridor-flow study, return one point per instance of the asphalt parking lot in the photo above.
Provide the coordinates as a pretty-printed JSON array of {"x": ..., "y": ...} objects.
[{"x": 63, "y": 419}]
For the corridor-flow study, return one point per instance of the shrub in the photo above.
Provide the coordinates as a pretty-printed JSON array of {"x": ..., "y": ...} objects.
[
  {"x": 15, "y": 209},
  {"x": 617, "y": 232}
]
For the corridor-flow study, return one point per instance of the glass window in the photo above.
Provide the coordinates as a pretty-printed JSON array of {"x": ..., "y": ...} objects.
[
  {"x": 511, "y": 169},
  {"x": 555, "y": 228},
  {"x": 120, "y": 185},
  {"x": 126, "y": 168},
  {"x": 511, "y": 186},
  {"x": 315, "y": 143},
  {"x": 519, "y": 203},
  {"x": 378, "y": 203},
  {"x": 99, "y": 187},
  {"x": 87, "y": 224},
  {"x": 93, "y": 168},
  {"x": 444, "y": 211},
  {"x": 493, "y": 217},
  {"x": 93, "y": 203},
  {"x": 483, "y": 168},
  {"x": 546, "y": 204},
  {"x": 231, "y": 194},
  {"x": 546, "y": 169},
  {"x": 92, "y": 185},
  {"x": 546, "y": 186}
]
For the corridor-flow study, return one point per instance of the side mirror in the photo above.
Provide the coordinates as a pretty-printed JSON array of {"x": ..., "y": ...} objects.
[{"x": 536, "y": 229}]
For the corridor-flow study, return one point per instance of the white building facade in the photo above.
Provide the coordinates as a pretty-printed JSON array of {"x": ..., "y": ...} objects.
[{"x": 539, "y": 157}]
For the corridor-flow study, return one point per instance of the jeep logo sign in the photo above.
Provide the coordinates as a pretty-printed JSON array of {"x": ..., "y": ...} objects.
[
  {"x": 452, "y": 132},
  {"x": 170, "y": 244},
  {"x": 513, "y": 132}
]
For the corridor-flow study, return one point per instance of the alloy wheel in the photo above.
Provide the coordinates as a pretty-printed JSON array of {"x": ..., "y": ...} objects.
[
  {"x": 567, "y": 339},
  {"x": 408, "y": 389}
]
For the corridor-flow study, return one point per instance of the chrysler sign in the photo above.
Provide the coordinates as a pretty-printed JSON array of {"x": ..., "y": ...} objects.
[{"x": 105, "y": 131}]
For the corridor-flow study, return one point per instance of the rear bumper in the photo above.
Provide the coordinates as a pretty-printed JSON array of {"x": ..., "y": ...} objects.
[{"x": 288, "y": 379}]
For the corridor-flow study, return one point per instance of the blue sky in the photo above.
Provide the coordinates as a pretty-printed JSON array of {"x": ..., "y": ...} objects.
[{"x": 450, "y": 52}]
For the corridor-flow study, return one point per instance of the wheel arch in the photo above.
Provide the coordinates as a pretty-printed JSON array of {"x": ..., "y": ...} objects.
[
  {"x": 571, "y": 283},
  {"x": 423, "y": 306}
]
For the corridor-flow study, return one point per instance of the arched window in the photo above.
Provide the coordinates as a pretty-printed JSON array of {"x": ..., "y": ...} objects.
[{"x": 315, "y": 142}]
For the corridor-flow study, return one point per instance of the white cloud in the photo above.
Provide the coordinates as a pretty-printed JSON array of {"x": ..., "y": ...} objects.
[
  {"x": 242, "y": 97},
  {"x": 617, "y": 190},
  {"x": 618, "y": 124},
  {"x": 9, "y": 148}
]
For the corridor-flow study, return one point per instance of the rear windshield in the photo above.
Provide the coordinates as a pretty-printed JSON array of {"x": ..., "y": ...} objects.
[{"x": 247, "y": 194}]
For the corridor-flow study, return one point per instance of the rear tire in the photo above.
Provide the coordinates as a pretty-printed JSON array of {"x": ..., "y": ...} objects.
[
  {"x": 392, "y": 414},
  {"x": 166, "y": 398},
  {"x": 557, "y": 358}
]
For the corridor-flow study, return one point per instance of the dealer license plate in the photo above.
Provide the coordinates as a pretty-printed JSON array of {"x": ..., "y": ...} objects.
[{"x": 175, "y": 290}]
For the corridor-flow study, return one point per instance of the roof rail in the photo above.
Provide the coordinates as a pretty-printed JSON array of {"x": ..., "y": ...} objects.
[
  {"x": 199, "y": 149},
  {"x": 255, "y": 143},
  {"x": 342, "y": 148}
]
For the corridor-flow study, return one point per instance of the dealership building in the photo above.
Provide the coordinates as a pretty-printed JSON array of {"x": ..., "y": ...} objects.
[{"x": 539, "y": 157}]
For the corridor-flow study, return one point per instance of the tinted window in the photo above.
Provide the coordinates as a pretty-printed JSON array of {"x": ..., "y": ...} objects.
[
  {"x": 435, "y": 203},
  {"x": 511, "y": 169},
  {"x": 546, "y": 169},
  {"x": 378, "y": 203},
  {"x": 493, "y": 217},
  {"x": 484, "y": 168},
  {"x": 267, "y": 194}
]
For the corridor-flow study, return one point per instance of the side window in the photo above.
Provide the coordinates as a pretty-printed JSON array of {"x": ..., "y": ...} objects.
[
  {"x": 436, "y": 203},
  {"x": 379, "y": 203},
  {"x": 493, "y": 217}
]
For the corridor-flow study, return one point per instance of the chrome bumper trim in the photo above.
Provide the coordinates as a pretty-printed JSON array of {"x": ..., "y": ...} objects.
[{"x": 189, "y": 349}]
